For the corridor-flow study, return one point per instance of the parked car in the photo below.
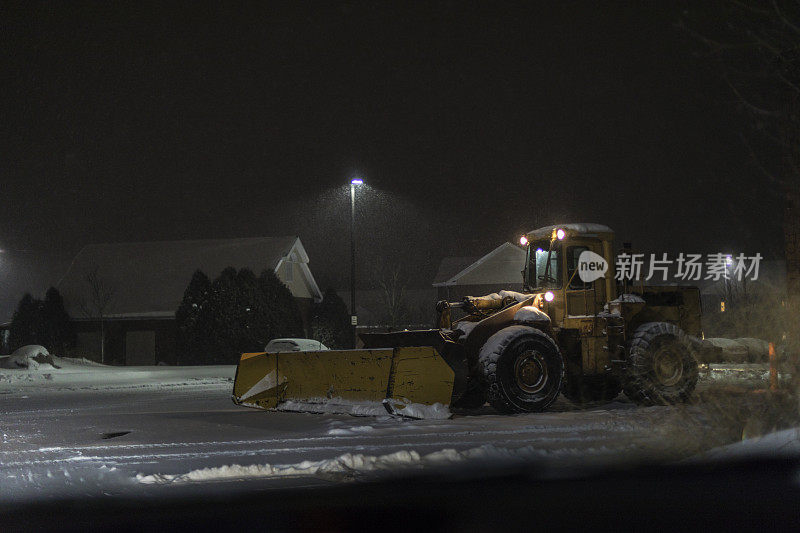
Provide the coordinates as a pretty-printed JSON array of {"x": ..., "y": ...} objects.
[{"x": 294, "y": 345}]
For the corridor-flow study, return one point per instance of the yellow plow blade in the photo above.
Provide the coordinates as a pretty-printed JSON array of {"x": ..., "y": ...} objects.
[{"x": 399, "y": 380}]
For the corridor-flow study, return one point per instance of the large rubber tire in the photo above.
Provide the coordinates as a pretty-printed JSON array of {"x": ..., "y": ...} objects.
[
  {"x": 661, "y": 368},
  {"x": 591, "y": 389},
  {"x": 523, "y": 369}
]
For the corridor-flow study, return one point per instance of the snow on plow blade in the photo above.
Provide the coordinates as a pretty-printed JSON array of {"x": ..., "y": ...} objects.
[{"x": 408, "y": 381}]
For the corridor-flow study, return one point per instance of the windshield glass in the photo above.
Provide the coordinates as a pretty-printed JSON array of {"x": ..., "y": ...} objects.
[{"x": 544, "y": 267}]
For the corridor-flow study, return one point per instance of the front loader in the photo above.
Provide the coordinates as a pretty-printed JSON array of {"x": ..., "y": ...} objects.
[{"x": 586, "y": 339}]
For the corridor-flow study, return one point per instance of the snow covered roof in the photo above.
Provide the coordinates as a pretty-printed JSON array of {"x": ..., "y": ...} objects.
[
  {"x": 504, "y": 264},
  {"x": 148, "y": 279},
  {"x": 450, "y": 266},
  {"x": 579, "y": 227}
]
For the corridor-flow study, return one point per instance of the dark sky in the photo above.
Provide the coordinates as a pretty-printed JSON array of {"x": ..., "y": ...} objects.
[{"x": 470, "y": 122}]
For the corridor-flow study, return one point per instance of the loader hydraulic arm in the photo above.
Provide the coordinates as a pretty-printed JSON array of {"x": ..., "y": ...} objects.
[{"x": 481, "y": 306}]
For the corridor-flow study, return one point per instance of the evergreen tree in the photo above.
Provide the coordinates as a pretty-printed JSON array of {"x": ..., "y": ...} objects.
[
  {"x": 26, "y": 324},
  {"x": 58, "y": 333},
  {"x": 281, "y": 310},
  {"x": 236, "y": 313},
  {"x": 192, "y": 342},
  {"x": 42, "y": 322},
  {"x": 330, "y": 322}
]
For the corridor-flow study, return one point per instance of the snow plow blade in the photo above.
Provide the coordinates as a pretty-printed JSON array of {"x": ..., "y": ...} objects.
[{"x": 408, "y": 381}]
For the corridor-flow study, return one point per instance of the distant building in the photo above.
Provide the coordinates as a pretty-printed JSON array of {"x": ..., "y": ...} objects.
[
  {"x": 147, "y": 281},
  {"x": 500, "y": 269}
]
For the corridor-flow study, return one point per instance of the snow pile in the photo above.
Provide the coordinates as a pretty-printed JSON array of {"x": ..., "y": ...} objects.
[
  {"x": 79, "y": 361},
  {"x": 465, "y": 327},
  {"x": 780, "y": 444},
  {"x": 333, "y": 406},
  {"x": 436, "y": 411},
  {"x": 30, "y": 369},
  {"x": 31, "y": 357},
  {"x": 518, "y": 296},
  {"x": 347, "y": 465},
  {"x": 402, "y": 408},
  {"x": 628, "y": 298},
  {"x": 754, "y": 375},
  {"x": 741, "y": 350},
  {"x": 530, "y": 313},
  {"x": 355, "y": 430}
]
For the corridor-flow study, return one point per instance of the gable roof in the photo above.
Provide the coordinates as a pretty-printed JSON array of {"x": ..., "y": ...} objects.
[
  {"x": 149, "y": 278},
  {"x": 503, "y": 264},
  {"x": 450, "y": 266}
]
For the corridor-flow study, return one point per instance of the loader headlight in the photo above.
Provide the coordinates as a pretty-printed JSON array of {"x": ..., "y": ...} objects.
[
  {"x": 549, "y": 296},
  {"x": 523, "y": 241},
  {"x": 560, "y": 234}
]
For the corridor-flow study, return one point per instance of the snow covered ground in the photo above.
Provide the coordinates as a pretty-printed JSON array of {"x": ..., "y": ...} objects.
[
  {"x": 81, "y": 374},
  {"x": 92, "y": 430}
]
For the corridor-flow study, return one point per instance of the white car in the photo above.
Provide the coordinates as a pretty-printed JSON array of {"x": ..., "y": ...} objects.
[{"x": 294, "y": 345}]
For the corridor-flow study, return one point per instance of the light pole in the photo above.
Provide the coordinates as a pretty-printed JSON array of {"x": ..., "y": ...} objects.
[
  {"x": 728, "y": 294},
  {"x": 353, "y": 317}
]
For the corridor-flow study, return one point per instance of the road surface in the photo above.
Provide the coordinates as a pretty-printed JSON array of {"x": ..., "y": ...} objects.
[{"x": 119, "y": 431}]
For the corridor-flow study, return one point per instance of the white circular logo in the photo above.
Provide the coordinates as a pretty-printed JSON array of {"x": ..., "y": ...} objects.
[{"x": 591, "y": 266}]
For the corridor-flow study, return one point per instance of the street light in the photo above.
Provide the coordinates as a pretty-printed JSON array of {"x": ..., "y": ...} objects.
[{"x": 353, "y": 317}]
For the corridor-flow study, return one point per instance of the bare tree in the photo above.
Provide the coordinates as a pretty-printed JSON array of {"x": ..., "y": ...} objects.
[
  {"x": 756, "y": 46},
  {"x": 99, "y": 297},
  {"x": 390, "y": 280},
  {"x": 752, "y": 309}
]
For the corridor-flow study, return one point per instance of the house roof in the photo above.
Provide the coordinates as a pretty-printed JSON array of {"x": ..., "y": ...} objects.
[
  {"x": 149, "y": 278},
  {"x": 450, "y": 266},
  {"x": 501, "y": 265}
]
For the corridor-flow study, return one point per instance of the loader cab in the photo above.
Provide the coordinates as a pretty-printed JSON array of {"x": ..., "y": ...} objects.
[{"x": 555, "y": 257}]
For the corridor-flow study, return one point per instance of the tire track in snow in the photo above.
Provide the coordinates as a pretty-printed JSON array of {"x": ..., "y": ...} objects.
[{"x": 134, "y": 459}]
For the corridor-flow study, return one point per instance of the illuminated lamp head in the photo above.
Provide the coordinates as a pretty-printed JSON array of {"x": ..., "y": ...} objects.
[
  {"x": 560, "y": 234},
  {"x": 549, "y": 296}
]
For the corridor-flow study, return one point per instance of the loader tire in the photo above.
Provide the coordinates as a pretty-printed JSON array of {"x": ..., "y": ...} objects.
[
  {"x": 523, "y": 369},
  {"x": 661, "y": 368},
  {"x": 590, "y": 389}
]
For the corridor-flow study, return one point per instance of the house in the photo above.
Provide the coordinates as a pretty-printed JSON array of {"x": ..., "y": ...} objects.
[
  {"x": 500, "y": 269},
  {"x": 145, "y": 282}
]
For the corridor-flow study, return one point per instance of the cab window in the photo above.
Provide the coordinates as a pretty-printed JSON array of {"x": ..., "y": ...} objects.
[{"x": 573, "y": 253}]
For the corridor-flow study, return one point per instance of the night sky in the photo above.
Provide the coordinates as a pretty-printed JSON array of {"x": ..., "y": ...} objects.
[{"x": 469, "y": 122}]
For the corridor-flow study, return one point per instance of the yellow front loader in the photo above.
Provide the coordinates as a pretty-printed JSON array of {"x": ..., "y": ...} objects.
[{"x": 588, "y": 339}]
